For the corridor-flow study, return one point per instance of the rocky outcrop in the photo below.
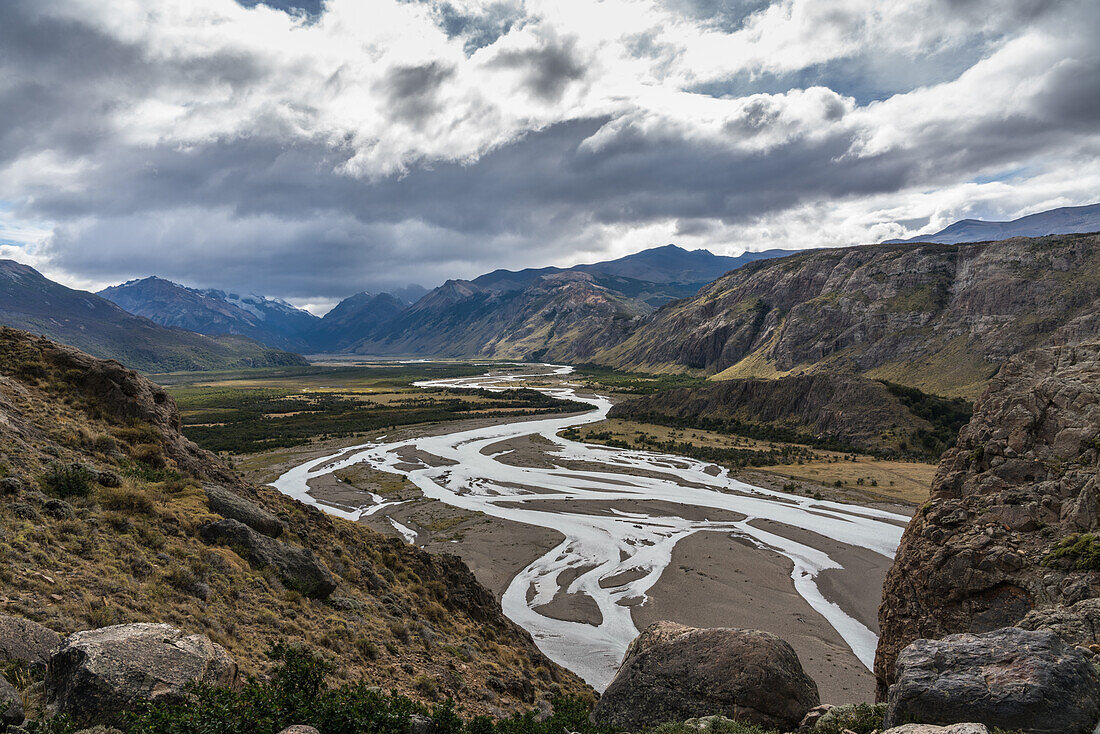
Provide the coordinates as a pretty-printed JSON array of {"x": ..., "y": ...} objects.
[
  {"x": 937, "y": 317},
  {"x": 846, "y": 410},
  {"x": 1078, "y": 624},
  {"x": 26, "y": 641},
  {"x": 99, "y": 674},
  {"x": 672, "y": 673},
  {"x": 1008, "y": 678},
  {"x": 298, "y": 568},
  {"x": 11, "y": 705},
  {"x": 998, "y": 537},
  {"x": 235, "y": 507}
]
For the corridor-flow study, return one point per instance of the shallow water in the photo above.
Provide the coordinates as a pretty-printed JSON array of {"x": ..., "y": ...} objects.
[{"x": 599, "y": 543}]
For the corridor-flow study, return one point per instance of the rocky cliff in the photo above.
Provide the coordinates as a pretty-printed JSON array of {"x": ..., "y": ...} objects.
[
  {"x": 843, "y": 410},
  {"x": 938, "y": 317},
  {"x": 109, "y": 515},
  {"x": 1009, "y": 527}
]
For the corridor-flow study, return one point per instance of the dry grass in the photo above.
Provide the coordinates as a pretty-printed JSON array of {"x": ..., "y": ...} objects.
[{"x": 871, "y": 478}]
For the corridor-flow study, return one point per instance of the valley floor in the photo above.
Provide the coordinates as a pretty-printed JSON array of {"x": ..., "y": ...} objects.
[{"x": 714, "y": 578}]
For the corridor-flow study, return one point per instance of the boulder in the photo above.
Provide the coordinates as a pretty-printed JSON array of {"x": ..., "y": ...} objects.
[
  {"x": 967, "y": 728},
  {"x": 848, "y": 716},
  {"x": 98, "y": 674},
  {"x": 231, "y": 505},
  {"x": 11, "y": 705},
  {"x": 299, "y": 729},
  {"x": 672, "y": 672},
  {"x": 22, "y": 639},
  {"x": 298, "y": 568},
  {"x": 1008, "y": 678}
]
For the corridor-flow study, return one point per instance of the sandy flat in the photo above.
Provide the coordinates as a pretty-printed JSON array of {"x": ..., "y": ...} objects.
[{"x": 718, "y": 581}]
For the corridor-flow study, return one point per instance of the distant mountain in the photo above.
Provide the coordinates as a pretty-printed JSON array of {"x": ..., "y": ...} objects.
[
  {"x": 32, "y": 302},
  {"x": 408, "y": 295},
  {"x": 938, "y": 317},
  {"x": 354, "y": 319},
  {"x": 272, "y": 322},
  {"x": 557, "y": 314},
  {"x": 664, "y": 265},
  {"x": 546, "y": 313},
  {"x": 1066, "y": 220}
]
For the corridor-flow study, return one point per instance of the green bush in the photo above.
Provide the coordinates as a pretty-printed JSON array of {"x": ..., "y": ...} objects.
[
  {"x": 68, "y": 480},
  {"x": 297, "y": 693}
]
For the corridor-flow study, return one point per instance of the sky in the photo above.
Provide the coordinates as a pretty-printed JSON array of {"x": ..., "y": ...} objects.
[{"x": 312, "y": 149}]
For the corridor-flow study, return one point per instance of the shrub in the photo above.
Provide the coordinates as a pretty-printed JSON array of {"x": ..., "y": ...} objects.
[
  {"x": 68, "y": 480},
  {"x": 859, "y": 718},
  {"x": 148, "y": 453},
  {"x": 125, "y": 499},
  {"x": 297, "y": 693}
]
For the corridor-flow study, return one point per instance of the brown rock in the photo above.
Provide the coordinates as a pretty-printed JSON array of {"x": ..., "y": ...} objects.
[
  {"x": 1026, "y": 464},
  {"x": 672, "y": 673}
]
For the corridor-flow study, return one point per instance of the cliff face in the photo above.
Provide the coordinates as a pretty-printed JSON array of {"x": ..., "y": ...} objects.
[
  {"x": 845, "y": 409},
  {"x": 938, "y": 317},
  {"x": 1000, "y": 535},
  {"x": 106, "y": 513}
]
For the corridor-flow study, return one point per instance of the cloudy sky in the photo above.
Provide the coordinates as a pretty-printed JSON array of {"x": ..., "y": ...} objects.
[{"x": 313, "y": 149}]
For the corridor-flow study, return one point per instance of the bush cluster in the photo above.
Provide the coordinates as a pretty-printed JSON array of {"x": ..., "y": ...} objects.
[{"x": 297, "y": 693}]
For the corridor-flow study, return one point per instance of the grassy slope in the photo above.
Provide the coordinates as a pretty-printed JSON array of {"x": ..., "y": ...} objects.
[{"x": 400, "y": 618}]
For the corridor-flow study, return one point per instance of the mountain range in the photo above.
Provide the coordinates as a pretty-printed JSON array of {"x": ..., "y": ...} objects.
[
  {"x": 1066, "y": 220},
  {"x": 34, "y": 303},
  {"x": 503, "y": 313}
]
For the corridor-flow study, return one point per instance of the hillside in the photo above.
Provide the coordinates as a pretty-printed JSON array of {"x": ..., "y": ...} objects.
[
  {"x": 1066, "y": 220},
  {"x": 843, "y": 411},
  {"x": 110, "y": 515},
  {"x": 213, "y": 312},
  {"x": 941, "y": 318},
  {"x": 354, "y": 319},
  {"x": 559, "y": 316},
  {"x": 32, "y": 302}
]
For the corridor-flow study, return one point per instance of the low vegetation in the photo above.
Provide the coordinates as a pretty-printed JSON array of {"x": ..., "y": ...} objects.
[
  {"x": 635, "y": 383},
  {"x": 250, "y": 411},
  {"x": 299, "y": 691},
  {"x": 1080, "y": 551}
]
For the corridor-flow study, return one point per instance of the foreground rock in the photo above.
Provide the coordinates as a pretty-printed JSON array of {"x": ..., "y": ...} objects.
[
  {"x": 30, "y": 642},
  {"x": 298, "y": 568},
  {"x": 1009, "y": 678},
  {"x": 99, "y": 674},
  {"x": 11, "y": 705},
  {"x": 235, "y": 507},
  {"x": 1013, "y": 493},
  {"x": 672, "y": 673}
]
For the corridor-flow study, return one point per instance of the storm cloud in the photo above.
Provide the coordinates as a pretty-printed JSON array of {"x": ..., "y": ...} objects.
[{"x": 313, "y": 150}]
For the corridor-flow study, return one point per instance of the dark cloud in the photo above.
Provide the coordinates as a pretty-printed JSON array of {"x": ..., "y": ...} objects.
[
  {"x": 273, "y": 209},
  {"x": 548, "y": 69},
  {"x": 412, "y": 90}
]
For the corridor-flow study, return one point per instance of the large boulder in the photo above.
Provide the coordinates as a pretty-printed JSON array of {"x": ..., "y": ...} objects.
[
  {"x": 235, "y": 507},
  {"x": 26, "y": 641},
  {"x": 1009, "y": 678},
  {"x": 11, "y": 705},
  {"x": 99, "y": 674},
  {"x": 672, "y": 673},
  {"x": 1020, "y": 483},
  {"x": 298, "y": 568},
  {"x": 1078, "y": 624}
]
